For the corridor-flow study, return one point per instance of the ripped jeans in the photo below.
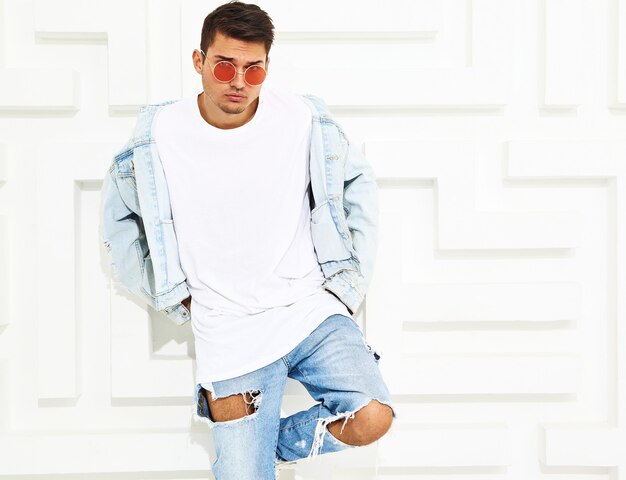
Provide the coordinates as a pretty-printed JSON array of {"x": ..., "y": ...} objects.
[{"x": 336, "y": 366}]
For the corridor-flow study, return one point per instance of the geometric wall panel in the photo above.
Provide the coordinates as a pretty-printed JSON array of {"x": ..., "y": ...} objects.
[
  {"x": 114, "y": 453},
  {"x": 467, "y": 88},
  {"x": 419, "y": 19},
  {"x": 468, "y": 445},
  {"x": 3, "y": 165},
  {"x": 492, "y": 303},
  {"x": 497, "y": 304},
  {"x": 571, "y": 159},
  {"x": 4, "y": 271},
  {"x": 451, "y": 166},
  {"x": 563, "y": 42},
  {"x": 143, "y": 61},
  {"x": 431, "y": 320},
  {"x": 567, "y": 446},
  {"x": 585, "y": 446},
  {"x": 35, "y": 89},
  {"x": 4, "y": 244},
  {"x": 482, "y": 374},
  {"x": 22, "y": 90},
  {"x": 125, "y": 35},
  {"x": 620, "y": 53},
  {"x": 136, "y": 372},
  {"x": 60, "y": 170}
]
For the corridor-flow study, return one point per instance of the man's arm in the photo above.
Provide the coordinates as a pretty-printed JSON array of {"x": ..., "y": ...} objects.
[
  {"x": 360, "y": 198},
  {"x": 123, "y": 236},
  {"x": 187, "y": 303}
]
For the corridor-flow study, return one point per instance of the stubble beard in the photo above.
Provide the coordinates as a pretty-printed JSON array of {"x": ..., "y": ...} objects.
[
  {"x": 231, "y": 110},
  {"x": 234, "y": 110}
]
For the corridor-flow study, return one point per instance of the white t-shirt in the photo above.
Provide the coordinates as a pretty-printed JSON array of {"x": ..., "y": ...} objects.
[{"x": 242, "y": 219}]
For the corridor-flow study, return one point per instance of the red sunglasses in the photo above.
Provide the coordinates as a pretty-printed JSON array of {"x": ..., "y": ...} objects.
[{"x": 225, "y": 72}]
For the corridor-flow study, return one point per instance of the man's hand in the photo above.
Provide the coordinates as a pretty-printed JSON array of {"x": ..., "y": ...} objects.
[{"x": 187, "y": 303}]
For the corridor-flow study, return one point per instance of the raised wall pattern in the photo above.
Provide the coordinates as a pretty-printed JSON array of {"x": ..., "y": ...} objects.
[{"x": 496, "y": 129}]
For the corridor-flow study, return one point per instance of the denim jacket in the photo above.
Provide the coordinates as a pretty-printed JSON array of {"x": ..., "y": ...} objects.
[{"x": 138, "y": 232}]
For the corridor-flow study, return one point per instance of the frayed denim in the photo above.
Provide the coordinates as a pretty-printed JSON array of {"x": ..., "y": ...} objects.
[{"x": 336, "y": 366}]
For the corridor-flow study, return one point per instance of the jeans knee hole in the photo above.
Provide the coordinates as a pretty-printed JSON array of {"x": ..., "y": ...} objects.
[{"x": 233, "y": 413}]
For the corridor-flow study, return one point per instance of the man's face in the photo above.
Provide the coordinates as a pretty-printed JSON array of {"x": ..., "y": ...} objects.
[{"x": 235, "y": 101}]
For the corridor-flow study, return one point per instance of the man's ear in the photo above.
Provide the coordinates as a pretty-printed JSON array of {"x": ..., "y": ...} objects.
[
  {"x": 267, "y": 63},
  {"x": 197, "y": 58}
]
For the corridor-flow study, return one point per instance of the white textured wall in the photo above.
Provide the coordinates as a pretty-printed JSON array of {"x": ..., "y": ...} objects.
[{"x": 497, "y": 129}]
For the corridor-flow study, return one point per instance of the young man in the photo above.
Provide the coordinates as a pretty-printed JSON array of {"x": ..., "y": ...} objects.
[{"x": 249, "y": 208}]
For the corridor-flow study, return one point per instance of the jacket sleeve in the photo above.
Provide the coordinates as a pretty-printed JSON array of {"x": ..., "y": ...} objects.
[
  {"x": 360, "y": 199},
  {"x": 124, "y": 238}
]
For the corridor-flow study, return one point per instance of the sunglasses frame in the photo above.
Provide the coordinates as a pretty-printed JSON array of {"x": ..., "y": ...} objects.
[{"x": 236, "y": 71}]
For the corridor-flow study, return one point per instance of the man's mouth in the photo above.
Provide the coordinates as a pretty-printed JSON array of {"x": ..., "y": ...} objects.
[{"x": 234, "y": 97}]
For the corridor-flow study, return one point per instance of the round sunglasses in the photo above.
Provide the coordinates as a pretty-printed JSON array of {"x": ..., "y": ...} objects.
[{"x": 225, "y": 71}]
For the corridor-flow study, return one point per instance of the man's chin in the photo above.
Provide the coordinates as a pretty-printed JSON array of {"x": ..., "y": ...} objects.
[{"x": 233, "y": 110}]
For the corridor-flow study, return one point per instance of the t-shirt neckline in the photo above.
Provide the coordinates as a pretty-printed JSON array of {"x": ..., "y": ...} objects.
[{"x": 227, "y": 131}]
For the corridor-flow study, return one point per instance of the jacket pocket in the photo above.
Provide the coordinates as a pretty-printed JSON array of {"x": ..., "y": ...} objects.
[{"x": 328, "y": 242}]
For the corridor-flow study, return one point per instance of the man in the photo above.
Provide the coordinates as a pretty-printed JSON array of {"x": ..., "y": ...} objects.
[{"x": 250, "y": 208}]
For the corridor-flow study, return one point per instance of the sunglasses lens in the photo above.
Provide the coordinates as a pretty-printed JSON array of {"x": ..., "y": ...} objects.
[
  {"x": 255, "y": 75},
  {"x": 224, "y": 71}
]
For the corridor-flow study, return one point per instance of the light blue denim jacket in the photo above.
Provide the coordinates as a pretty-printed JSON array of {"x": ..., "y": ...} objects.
[{"x": 138, "y": 232}]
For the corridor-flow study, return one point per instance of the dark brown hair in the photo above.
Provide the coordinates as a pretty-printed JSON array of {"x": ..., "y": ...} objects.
[{"x": 242, "y": 21}]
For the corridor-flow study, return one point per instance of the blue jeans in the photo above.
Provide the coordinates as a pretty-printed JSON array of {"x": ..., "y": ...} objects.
[{"x": 336, "y": 366}]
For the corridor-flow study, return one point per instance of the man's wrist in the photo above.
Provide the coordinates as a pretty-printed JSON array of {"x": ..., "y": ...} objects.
[{"x": 187, "y": 302}]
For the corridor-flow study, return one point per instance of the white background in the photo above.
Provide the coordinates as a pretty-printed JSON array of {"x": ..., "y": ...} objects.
[{"x": 497, "y": 130}]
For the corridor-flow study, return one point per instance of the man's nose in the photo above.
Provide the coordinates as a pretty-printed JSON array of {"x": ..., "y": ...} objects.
[{"x": 238, "y": 81}]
